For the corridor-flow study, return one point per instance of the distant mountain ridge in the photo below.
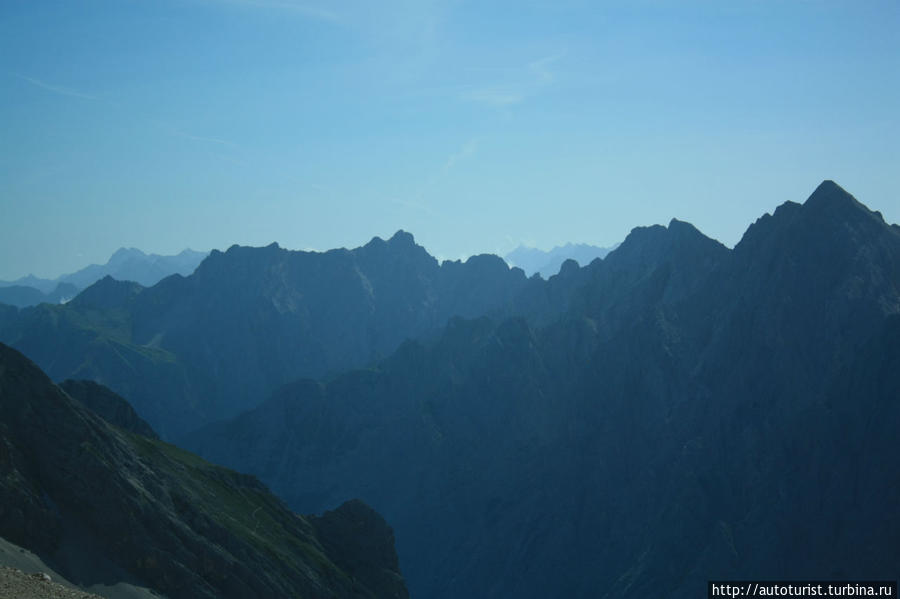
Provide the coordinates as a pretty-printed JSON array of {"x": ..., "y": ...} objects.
[
  {"x": 22, "y": 296},
  {"x": 126, "y": 264},
  {"x": 194, "y": 349},
  {"x": 547, "y": 263}
]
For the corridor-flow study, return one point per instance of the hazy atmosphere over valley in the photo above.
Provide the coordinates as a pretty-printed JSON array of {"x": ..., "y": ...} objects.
[
  {"x": 478, "y": 126},
  {"x": 448, "y": 299}
]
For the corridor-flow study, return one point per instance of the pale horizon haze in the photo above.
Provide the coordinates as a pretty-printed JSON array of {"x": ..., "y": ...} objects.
[{"x": 476, "y": 126}]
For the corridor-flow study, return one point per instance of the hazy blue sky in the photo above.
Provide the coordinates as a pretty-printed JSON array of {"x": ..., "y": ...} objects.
[{"x": 165, "y": 124}]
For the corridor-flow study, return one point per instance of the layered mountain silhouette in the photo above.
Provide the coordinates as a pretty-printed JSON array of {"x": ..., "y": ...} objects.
[
  {"x": 696, "y": 413},
  {"x": 104, "y": 503},
  {"x": 547, "y": 263},
  {"x": 126, "y": 264},
  {"x": 21, "y": 296},
  {"x": 672, "y": 413},
  {"x": 194, "y": 349}
]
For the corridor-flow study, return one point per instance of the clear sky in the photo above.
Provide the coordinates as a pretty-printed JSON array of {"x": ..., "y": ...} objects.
[{"x": 475, "y": 125}]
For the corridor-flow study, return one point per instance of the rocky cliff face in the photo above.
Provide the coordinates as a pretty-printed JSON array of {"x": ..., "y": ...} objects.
[
  {"x": 696, "y": 413},
  {"x": 102, "y": 502}
]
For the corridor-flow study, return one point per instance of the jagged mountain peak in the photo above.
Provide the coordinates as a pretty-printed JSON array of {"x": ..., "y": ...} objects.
[
  {"x": 400, "y": 247},
  {"x": 831, "y": 200},
  {"x": 122, "y": 254},
  {"x": 107, "y": 293},
  {"x": 831, "y": 218},
  {"x": 680, "y": 227},
  {"x": 657, "y": 243},
  {"x": 568, "y": 268},
  {"x": 675, "y": 229},
  {"x": 487, "y": 261},
  {"x": 402, "y": 237},
  {"x": 829, "y": 192},
  {"x": 237, "y": 259},
  {"x": 245, "y": 249}
]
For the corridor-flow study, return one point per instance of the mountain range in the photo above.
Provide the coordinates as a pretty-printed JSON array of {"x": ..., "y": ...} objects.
[
  {"x": 126, "y": 264},
  {"x": 674, "y": 412},
  {"x": 547, "y": 263},
  {"x": 195, "y": 349},
  {"x": 696, "y": 413},
  {"x": 24, "y": 295}
]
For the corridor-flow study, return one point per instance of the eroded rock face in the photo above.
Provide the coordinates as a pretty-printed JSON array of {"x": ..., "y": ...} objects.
[
  {"x": 697, "y": 413},
  {"x": 78, "y": 489}
]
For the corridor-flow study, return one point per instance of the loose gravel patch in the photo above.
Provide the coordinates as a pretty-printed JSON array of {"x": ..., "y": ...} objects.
[{"x": 15, "y": 584}]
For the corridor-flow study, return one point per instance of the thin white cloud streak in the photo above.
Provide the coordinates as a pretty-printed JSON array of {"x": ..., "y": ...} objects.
[
  {"x": 215, "y": 140},
  {"x": 467, "y": 149},
  {"x": 541, "y": 68},
  {"x": 528, "y": 81},
  {"x": 493, "y": 96},
  {"x": 57, "y": 89},
  {"x": 65, "y": 91}
]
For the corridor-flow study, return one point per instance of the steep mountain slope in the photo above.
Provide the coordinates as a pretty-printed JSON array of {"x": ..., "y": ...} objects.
[
  {"x": 195, "y": 349},
  {"x": 108, "y": 405},
  {"x": 697, "y": 413},
  {"x": 90, "y": 338},
  {"x": 104, "y": 503}
]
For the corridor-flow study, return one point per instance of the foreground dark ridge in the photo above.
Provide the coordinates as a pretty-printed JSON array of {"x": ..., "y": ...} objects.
[{"x": 105, "y": 504}]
